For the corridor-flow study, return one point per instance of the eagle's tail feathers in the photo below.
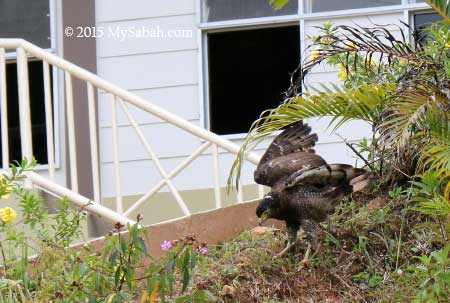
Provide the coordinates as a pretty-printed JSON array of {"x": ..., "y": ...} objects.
[{"x": 350, "y": 171}]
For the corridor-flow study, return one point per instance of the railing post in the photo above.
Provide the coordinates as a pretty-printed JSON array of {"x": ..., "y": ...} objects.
[
  {"x": 49, "y": 121},
  {"x": 115, "y": 142},
  {"x": 93, "y": 140},
  {"x": 24, "y": 106},
  {"x": 71, "y": 132},
  {"x": 216, "y": 171},
  {"x": 260, "y": 191},
  {"x": 4, "y": 110},
  {"x": 240, "y": 193}
]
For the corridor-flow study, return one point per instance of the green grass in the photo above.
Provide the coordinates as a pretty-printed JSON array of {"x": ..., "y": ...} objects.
[{"x": 363, "y": 257}]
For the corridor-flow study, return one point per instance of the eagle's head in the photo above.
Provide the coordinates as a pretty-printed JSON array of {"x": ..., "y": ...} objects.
[{"x": 268, "y": 207}]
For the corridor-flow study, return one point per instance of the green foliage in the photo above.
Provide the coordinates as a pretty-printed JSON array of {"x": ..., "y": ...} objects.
[
  {"x": 278, "y": 4},
  {"x": 440, "y": 6},
  {"x": 398, "y": 87},
  {"x": 38, "y": 263},
  {"x": 434, "y": 273}
]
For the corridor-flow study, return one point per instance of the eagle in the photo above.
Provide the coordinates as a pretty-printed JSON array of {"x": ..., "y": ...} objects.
[{"x": 304, "y": 187}]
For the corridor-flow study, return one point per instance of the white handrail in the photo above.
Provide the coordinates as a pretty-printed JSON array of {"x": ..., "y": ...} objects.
[
  {"x": 4, "y": 110},
  {"x": 78, "y": 199},
  {"x": 49, "y": 120},
  {"x": 123, "y": 97},
  {"x": 127, "y": 96}
]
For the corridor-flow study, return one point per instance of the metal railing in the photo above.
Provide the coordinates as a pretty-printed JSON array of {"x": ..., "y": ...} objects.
[{"x": 119, "y": 98}]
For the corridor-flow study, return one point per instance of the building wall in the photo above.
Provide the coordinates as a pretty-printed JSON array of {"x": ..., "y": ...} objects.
[{"x": 167, "y": 73}]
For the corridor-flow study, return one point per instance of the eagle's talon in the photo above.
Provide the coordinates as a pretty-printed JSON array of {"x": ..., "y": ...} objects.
[{"x": 288, "y": 247}]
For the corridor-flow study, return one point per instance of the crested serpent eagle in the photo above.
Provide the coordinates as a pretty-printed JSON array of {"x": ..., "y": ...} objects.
[{"x": 304, "y": 188}]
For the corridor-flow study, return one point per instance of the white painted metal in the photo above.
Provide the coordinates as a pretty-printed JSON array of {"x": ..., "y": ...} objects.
[
  {"x": 77, "y": 199},
  {"x": 4, "y": 110},
  {"x": 94, "y": 141},
  {"x": 172, "y": 175},
  {"x": 119, "y": 202},
  {"x": 240, "y": 193},
  {"x": 24, "y": 104},
  {"x": 216, "y": 171},
  {"x": 261, "y": 191},
  {"x": 71, "y": 132},
  {"x": 129, "y": 96},
  {"x": 156, "y": 161},
  {"x": 93, "y": 82},
  {"x": 49, "y": 120}
]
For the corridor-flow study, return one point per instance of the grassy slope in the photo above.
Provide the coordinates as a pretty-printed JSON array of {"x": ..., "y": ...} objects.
[{"x": 365, "y": 249}]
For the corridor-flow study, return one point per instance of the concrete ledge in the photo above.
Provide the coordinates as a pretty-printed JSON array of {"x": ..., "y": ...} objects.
[{"x": 213, "y": 226}]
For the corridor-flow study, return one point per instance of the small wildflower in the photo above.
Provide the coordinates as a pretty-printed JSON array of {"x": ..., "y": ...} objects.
[
  {"x": 203, "y": 250},
  {"x": 342, "y": 73},
  {"x": 8, "y": 190},
  {"x": 314, "y": 55},
  {"x": 399, "y": 272},
  {"x": 8, "y": 214},
  {"x": 166, "y": 245},
  {"x": 372, "y": 62},
  {"x": 350, "y": 44}
]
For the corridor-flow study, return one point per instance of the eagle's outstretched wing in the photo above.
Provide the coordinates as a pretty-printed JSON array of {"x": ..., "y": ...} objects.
[
  {"x": 289, "y": 152},
  {"x": 296, "y": 137}
]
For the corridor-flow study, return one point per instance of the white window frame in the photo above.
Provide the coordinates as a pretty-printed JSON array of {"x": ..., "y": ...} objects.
[
  {"x": 407, "y": 7},
  {"x": 12, "y": 56}
]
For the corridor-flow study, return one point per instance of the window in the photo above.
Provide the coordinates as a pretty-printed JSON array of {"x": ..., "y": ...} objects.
[
  {"x": 220, "y": 10},
  {"x": 248, "y": 69},
  {"x": 248, "y": 72},
  {"x": 422, "y": 20},
  {"x": 37, "y": 109},
  {"x": 27, "y": 19},
  {"x": 314, "y": 6}
]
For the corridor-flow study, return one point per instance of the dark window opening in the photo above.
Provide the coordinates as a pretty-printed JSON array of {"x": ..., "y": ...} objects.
[
  {"x": 26, "y": 19},
  {"x": 327, "y": 5},
  {"x": 249, "y": 71},
  {"x": 37, "y": 109},
  {"x": 220, "y": 10},
  {"x": 422, "y": 22}
]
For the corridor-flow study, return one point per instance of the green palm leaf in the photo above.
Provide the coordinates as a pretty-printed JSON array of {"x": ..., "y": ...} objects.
[
  {"x": 363, "y": 102},
  {"x": 403, "y": 117},
  {"x": 278, "y": 4},
  {"x": 441, "y": 6},
  {"x": 435, "y": 156}
]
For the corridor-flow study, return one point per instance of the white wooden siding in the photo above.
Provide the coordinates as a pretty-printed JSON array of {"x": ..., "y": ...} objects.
[{"x": 165, "y": 71}]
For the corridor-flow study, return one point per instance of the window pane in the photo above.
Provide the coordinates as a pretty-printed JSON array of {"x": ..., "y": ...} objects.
[
  {"x": 421, "y": 21},
  {"x": 327, "y": 5},
  {"x": 248, "y": 72},
  {"x": 37, "y": 109},
  {"x": 220, "y": 10},
  {"x": 27, "y": 19}
]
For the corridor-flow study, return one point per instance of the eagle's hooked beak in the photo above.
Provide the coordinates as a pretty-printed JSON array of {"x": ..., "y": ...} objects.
[{"x": 264, "y": 217}]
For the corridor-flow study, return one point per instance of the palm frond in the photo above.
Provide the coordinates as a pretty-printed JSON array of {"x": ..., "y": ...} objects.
[
  {"x": 278, "y": 4},
  {"x": 441, "y": 6},
  {"x": 366, "y": 42},
  {"x": 435, "y": 156},
  {"x": 364, "y": 103},
  {"x": 436, "y": 206},
  {"x": 403, "y": 116}
]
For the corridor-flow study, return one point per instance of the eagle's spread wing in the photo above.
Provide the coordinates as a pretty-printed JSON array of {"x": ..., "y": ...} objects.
[
  {"x": 296, "y": 137},
  {"x": 289, "y": 152}
]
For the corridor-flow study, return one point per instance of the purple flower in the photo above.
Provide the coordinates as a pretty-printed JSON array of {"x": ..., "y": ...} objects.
[
  {"x": 203, "y": 250},
  {"x": 166, "y": 245}
]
